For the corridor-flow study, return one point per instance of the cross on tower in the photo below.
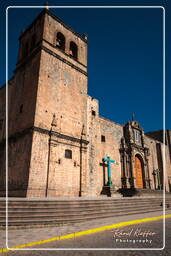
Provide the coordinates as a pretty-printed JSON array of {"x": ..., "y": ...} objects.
[
  {"x": 109, "y": 161},
  {"x": 46, "y": 4}
]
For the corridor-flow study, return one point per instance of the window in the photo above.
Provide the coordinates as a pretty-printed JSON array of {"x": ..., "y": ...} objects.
[
  {"x": 73, "y": 50},
  {"x": 93, "y": 113},
  {"x": 60, "y": 41},
  {"x": 137, "y": 136},
  {"x": 103, "y": 139},
  {"x": 68, "y": 153}
]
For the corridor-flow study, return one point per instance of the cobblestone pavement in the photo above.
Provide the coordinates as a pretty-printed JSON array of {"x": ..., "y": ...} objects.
[{"x": 104, "y": 239}]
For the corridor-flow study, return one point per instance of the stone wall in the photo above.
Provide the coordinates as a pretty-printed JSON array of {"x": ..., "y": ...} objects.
[
  {"x": 113, "y": 133},
  {"x": 159, "y": 160},
  {"x": 19, "y": 153},
  {"x": 97, "y": 149}
]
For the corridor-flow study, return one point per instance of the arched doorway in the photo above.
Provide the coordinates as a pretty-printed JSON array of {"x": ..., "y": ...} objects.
[{"x": 138, "y": 171}]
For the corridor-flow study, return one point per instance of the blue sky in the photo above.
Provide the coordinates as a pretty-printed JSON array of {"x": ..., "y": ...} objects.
[{"x": 125, "y": 69}]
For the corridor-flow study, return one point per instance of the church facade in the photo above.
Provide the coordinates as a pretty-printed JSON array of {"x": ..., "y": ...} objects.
[{"x": 57, "y": 139}]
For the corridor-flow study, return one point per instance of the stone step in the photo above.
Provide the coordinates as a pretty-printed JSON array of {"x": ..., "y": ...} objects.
[
  {"x": 64, "y": 212},
  {"x": 79, "y": 201},
  {"x": 53, "y": 222},
  {"x": 35, "y": 206},
  {"x": 36, "y": 212},
  {"x": 78, "y": 204},
  {"x": 65, "y": 209},
  {"x": 77, "y": 208}
]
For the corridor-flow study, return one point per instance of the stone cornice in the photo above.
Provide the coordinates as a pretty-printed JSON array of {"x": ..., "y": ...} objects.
[
  {"x": 60, "y": 135},
  {"x": 63, "y": 60},
  {"x": 22, "y": 133},
  {"x": 44, "y": 40},
  {"x": 44, "y": 48}
]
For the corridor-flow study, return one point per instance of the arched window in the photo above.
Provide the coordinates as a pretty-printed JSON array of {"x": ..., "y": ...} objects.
[
  {"x": 73, "y": 50},
  {"x": 60, "y": 41},
  {"x": 68, "y": 153},
  {"x": 137, "y": 136}
]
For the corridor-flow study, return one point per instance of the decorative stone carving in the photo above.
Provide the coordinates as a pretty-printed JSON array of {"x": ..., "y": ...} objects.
[{"x": 131, "y": 144}]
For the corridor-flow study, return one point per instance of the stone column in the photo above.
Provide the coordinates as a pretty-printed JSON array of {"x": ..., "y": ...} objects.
[
  {"x": 131, "y": 178},
  {"x": 51, "y": 162},
  {"x": 52, "y": 143},
  {"x": 148, "y": 181},
  {"x": 154, "y": 177},
  {"x": 83, "y": 169},
  {"x": 123, "y": 166},
  {"x": 147, "y": 172}
]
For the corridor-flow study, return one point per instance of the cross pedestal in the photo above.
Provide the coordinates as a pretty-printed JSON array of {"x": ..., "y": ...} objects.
[
  {"x": 110, "y": 189},
  {"x": 109, "y": 161}
]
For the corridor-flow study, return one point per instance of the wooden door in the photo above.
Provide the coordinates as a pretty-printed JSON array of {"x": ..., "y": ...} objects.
[{"x": 138, "y": 172}]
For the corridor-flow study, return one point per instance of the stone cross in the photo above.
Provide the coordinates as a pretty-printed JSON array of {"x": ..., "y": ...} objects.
[
  {"x": 133, "y": 116},
  {"x": 46, "y": 5},
  {"x": 109, "y": 161}
]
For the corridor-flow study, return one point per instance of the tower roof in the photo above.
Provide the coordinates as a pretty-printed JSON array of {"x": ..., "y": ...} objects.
[{"x": 46, "y": 10}]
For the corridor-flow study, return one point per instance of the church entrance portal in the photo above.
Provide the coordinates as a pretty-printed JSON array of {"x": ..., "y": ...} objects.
[{"x": 138, "y": 170}]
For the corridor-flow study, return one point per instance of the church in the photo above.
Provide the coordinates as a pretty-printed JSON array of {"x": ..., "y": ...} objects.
[{"x": 59, "y": 145}]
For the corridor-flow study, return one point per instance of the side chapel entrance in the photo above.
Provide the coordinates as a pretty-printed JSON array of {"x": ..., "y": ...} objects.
[{"x": 138, "y": 170}]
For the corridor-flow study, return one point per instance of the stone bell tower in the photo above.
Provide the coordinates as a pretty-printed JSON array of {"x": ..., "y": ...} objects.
[
  {"x": 60, "y": 112},
  {"x": 51, "y": 87}
]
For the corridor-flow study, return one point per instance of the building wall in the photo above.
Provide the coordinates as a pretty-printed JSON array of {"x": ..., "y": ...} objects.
[
  {"x": 113, "y": 134},
  {"x": 159, "y": 160},
  {"x": 62, "y": 91},
  {"x": 93, "y": 130},
  {"x": 97, "y": 150},
  {"x": 167, "y": 168},
  {"x": 19, "y": 154},
  {"x": 38, "y": 165},
  {"x": 158, "y": 135},
  {"x": 2, "y": 113},
  {"x": 153, "y": 161},
  {"x": 22, "y": 102}
]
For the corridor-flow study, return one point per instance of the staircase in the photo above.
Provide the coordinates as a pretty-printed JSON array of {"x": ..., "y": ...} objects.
[{"x": 31, "y": 212}]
